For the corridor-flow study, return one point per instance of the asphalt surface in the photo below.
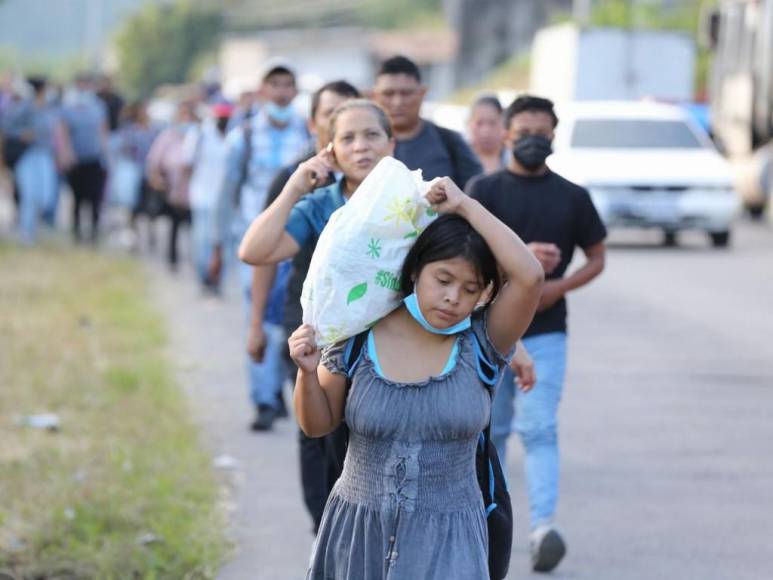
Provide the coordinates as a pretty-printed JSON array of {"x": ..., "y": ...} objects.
[{"x": 666, "y": 423}]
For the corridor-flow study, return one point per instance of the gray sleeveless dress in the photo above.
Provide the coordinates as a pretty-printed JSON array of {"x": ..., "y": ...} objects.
[{"x": 407, "y": 505}]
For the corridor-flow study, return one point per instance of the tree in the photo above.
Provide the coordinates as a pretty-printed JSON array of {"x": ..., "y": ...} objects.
[
  {"x": 161, "y": 44},
  {"x": 681, "y": 15}
]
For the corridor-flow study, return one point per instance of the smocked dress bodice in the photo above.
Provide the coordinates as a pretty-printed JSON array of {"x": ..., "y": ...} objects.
[{"x": 407, "y": 504}]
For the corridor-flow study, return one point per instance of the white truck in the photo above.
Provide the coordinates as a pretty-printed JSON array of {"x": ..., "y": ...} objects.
[
  {"x": 740, "y": 34},
  {"x": 571, "y": 63}
]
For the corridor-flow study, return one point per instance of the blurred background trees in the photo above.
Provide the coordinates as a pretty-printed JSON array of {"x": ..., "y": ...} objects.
[{"x": 162, "y": 44}]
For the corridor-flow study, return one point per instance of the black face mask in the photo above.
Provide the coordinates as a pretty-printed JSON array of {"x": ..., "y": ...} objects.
[
  {"x": 222, "y": 124},
  {"x": 532, "y": 150}
]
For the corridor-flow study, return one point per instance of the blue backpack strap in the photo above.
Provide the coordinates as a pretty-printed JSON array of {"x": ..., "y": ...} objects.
[
  {"x": 487, "y": 372},
  {"x": 489, "y": 375},
  {"x": 353, "y": 352}
]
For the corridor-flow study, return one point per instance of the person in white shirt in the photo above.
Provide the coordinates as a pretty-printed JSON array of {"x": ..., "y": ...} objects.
[{"x": 206, "y": 151}]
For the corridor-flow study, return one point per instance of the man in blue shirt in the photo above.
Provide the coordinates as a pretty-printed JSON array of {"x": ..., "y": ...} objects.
[
  {"x": 274, "y": 137},
  {"x": 85, "y": 117},
  {"x": 292, "y": 223},
  {"x": 314, "y": 467}
]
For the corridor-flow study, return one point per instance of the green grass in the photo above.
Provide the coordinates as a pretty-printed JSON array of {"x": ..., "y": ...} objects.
[
  {"x": 513, "y": 75},
  {"x": 78, "y": 338}
]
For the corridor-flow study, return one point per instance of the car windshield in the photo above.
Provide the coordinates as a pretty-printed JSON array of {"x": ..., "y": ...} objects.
[{"x": 633, "y": 134}]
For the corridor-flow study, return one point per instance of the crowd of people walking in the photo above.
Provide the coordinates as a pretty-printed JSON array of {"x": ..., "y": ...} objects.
[{"x": 261, "y": 176}]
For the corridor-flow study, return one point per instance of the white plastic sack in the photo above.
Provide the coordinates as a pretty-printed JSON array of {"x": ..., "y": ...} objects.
[{"x": 354, "y": 276}]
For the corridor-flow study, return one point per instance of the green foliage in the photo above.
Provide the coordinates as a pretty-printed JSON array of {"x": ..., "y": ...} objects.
[
  {"x": 402, "y": 13},
  {"x": 60, "y": 69},
  {"x": 631, "y": 14},
  {"x": 162, "y": 44},
  {"x": 511, "y": 75}
]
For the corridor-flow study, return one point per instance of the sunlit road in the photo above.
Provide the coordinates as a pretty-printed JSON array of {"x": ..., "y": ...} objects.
[{"x": 667, "y": 420}]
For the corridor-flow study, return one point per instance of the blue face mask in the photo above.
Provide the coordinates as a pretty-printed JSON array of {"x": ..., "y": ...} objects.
[
  {"x": 412, "y": 304},
  {"x": 278, "y": 113}
]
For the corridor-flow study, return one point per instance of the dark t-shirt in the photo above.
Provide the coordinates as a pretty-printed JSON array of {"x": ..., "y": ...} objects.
[
  {"x": 439, "y": 152},
  {"x": 114, "y": 104},
  {"x": 546, "y": 208}
]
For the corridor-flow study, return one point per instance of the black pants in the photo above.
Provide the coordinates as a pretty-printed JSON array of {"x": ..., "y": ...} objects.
[
  {"x": 322, "y": 461},
  {"x": 178, "y": 216},
  {"x": 87, "y": 181}
]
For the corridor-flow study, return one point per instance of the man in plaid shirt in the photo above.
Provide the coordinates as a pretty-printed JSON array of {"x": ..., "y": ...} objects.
[{"x": 272, "y": 138}]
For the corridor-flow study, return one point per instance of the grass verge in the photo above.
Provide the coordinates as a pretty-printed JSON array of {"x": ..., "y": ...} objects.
[{"x": 123, "y": 489}]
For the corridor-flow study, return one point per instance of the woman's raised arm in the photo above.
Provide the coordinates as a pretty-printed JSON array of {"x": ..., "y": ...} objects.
[
  {"x": 266, "y": 241},
  {"x": 514, "y": 307}
]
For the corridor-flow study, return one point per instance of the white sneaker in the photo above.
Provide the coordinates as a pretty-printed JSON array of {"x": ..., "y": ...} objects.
[{"x": 547, "y": 548}]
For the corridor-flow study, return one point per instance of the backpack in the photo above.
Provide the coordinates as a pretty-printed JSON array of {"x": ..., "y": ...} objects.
[
  {"x": 491, "y": 478},
  {"x": 449, "y": 138},
  {"x": 244, "y": 163},
  {"x": 13, "y": 150}
]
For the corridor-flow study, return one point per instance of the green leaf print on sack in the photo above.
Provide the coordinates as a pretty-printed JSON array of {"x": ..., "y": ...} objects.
[
  {"x": 374, "y": 248},
  {"x": 357, "y": 292}
]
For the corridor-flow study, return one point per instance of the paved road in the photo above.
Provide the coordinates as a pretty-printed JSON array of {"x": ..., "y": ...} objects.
[{"x": 666, "y": 425}]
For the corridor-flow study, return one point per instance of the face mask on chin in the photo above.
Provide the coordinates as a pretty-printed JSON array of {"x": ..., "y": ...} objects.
[
  {"x": 412, "y": 304},
  {"x": 531, "y": 151},
  {"x": 278, "y": 113}
]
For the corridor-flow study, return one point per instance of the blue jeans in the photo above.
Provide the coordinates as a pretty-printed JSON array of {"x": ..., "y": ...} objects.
[
  {"x": 536, "y": 421},
  {"x": 265, "y": 378},
  {"x": 38, "y": 187},
  {"x": 203, "y": 233}
]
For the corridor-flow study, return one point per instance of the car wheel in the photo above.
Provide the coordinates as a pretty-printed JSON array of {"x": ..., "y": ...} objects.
[
  {"x": 756, "y": 211},
  {"x": 720, "y": 239},
  {"x": 669, "y": 238}
]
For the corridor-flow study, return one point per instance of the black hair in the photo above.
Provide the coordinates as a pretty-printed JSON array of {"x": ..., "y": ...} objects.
[
  {"x": 340, "y": 88},
  {"x": 532, "y": 104},
  {"x": 381, "y": 115},
  {"x": 450, "y": 236},
  {"x": 489, "y": 100},
  {"x": 277, "y": 71},
  {"x": 38, "y": 84},
  {"x": 399, "y": 65}
]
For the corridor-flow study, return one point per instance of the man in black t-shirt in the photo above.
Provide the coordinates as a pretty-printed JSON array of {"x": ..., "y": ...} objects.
[{"x": 554, "y": 216}]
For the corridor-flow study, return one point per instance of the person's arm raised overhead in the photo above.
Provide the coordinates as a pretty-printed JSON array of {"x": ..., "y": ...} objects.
[
  {"x": 266, "y": 241},
  {"x": 514, "y": 306}
]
